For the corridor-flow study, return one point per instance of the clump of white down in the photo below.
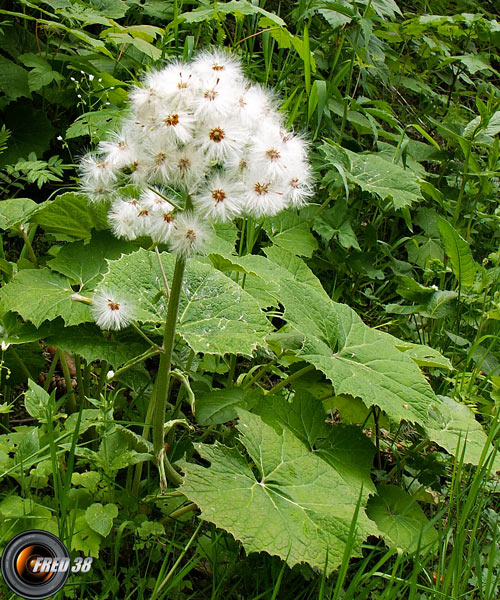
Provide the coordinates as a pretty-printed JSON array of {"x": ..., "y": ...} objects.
[{"x": 198, "y": 128}]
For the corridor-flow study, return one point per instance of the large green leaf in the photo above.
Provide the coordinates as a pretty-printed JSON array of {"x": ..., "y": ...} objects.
[
  {"x": 400, "y": 519},
  {"x": 346, "y": 449},
  {"x": 375, "y": 174},
  {"x": 360, "y": 361},
  {"x": 69, "y": 217},
  {"x": 453, "y": 425},
  {"x": 90, "y": 342},
  {"x": 39, "y": 295},
  {"x": 262, "y": 276},
  {"x": 13, "y": 79},
  {"x": 458, "y": 251},
  {"x": 219, "y": 406},
  {"x": 215, "y": 315},
  {"x": 84, "y": 263},
  {"x": 16, "y": 211},
  {"x": 285, "y": 500},
  {"x": 292, "y": 232}
]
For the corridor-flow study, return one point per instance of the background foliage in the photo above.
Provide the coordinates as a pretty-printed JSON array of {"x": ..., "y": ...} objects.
[{"x": 401, "y": 104}]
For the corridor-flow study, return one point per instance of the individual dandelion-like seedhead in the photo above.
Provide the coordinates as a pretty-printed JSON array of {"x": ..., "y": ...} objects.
[
  {"x": 201, "y": 131},
  {"x": 111, "y": 312}
]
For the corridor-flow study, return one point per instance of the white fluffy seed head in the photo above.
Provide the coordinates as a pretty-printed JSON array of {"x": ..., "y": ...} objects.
[
  {"x": 123, "y": 218},
  {"x": 221, "y": 199},
  {"x": 199, "y": 128},
  {"x": 218, "y": 65},
  {"x": 189, "y": 235},
  {"x": 111, "y": 311}
]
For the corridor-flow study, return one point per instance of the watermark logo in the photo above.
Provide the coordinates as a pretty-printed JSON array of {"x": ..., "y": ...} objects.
[{"x": 36, "y": 564}]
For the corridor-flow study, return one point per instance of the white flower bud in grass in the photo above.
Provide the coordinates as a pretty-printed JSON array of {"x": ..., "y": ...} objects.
[
  {"x": 216, "y": 101},
  {"x": 110, "y": 311},
  {"x": 123, "y": 218},
  {"x": 221, "y": 199},
  {"x": 159, "y": 156},
  {"x": 147, "y": 98},
  {"x": 161, "y": 216},
  {"x": 297, "y": 185},
  {"x": 154, "y": 198},
  {"x": 189, "y": 235}
]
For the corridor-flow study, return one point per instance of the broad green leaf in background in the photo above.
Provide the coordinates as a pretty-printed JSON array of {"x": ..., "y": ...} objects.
[
  {"x": 70, "y": 218},
  {"x": 374, "y": 174},
  {"x": 215, "y": 316},
  {"x": 360, "y": 361},
  {"x": 453, "y": 425},
  {"x": 14, "y": 331},
  {"x": 39, "y": 295},
  {"x": 90, "y": 342},
  {"x": 293, "y": 505},
  {"x": 400, "y": 519},
  {"x": 84, "y": 263},
  {"x": 291, "y": 232},
  {"x": 459, "y": 253},
  {"x": 13, "y": 79},
  {"x": 36, "y": 401},
  {"x": 346, "y": 449},
  {"x": 84, "y": 539},
  {"x": 94, "y": 124},
  {"x": 16, "y": 211},
  {"x": 100, "y": 517},
  {"x": 219, "y": 406},
  {"x": 41, "y": 73}
]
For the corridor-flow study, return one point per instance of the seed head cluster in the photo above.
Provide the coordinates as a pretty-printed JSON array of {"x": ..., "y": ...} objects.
[{"x": 199, "y": 129}]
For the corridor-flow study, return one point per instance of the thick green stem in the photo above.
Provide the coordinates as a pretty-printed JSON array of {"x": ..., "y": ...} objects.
[
  {"x": 163, "y": 378},
  {"x": 291, "y": 378}
]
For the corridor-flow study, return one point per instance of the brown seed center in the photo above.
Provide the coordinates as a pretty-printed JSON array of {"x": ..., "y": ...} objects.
[
  {"x": 191, "y": 235},
  {"x": 273, "y": 154},
  {"x": 113, "y": 305},
  {"x": 261, "y": 188},
  {"x": 143, "y": 213},
  {"x": 184, "y": 164},
  {"x": 217, "y": 135},
  {"x": 218, "y": 196},
  {"x": 294, "y": 182},
  {"x": 167, "y": 217},
  {"x": 217, "y": 67},
  {"x": 211, "y": 94},
  {"x": 172, "y": 120},
  {"x": 160, "y": 158}
]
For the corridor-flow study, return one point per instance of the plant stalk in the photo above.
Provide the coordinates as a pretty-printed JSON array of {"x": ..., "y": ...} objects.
[{"x": 163, "y": 377}]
